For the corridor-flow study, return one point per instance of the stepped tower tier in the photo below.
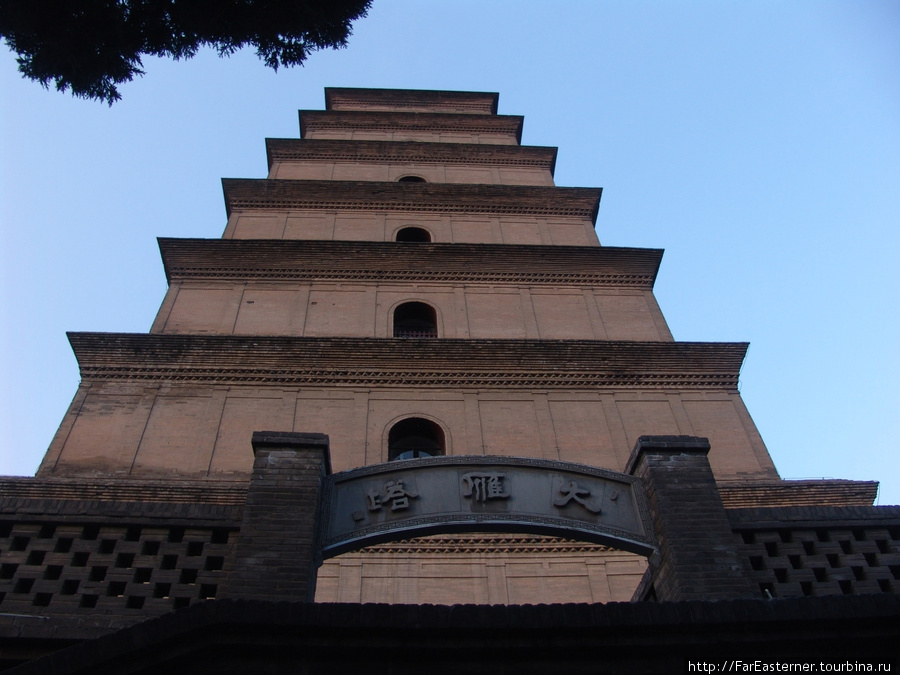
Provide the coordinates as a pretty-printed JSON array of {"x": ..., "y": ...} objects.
[
  {"x": 411, "y": 100},
  {"x": 376, "y": 211},
  {"x": 388, "y": 161},
  {"x": 352, "y": 289}
]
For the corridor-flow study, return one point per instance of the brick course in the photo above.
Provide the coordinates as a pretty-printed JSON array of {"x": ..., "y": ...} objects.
[
  {"x": 582, "y": 203},
  {"x": 343, "y": 260},
  {"x": 473, "y": 102},
  {"x": 497, "y": 126},
  {"x": 468, "y": 154}
]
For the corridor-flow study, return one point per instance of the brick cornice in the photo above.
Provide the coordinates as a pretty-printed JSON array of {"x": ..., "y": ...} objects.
[
  {"x": 312, "y": 120},
  {"x": 482, "y": 544},
  {"x": 468, "y": 154},
  {"x": 814, "y": 517},
  {"x": 796, "y": 493},
  {"x": 444, "y": 198},
  {"x": 472, "y": 102},
  {"x": 439, "y": 363},
  {"x": 118, "y": 489},
  {"x": 392, "y": 261}
]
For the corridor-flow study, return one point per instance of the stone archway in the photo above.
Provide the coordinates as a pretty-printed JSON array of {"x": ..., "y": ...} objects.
[
  {"x": 297, "y": 513},
  {"x": 482, "y": 494}
]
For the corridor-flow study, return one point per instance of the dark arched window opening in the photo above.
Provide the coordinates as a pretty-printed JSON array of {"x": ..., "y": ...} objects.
[
  {"x": 415, "y": 437},
  {"x": 411, "y": 179},
  {"x": 415, "y": 320},
  {"x": 414, "y": 234}
]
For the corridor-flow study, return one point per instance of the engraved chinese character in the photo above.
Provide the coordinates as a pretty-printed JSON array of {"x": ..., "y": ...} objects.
[
  {"x": 570, "y": 491},
  {"x": 484, "y": 486},
  {"x": 393, "y": 492}
]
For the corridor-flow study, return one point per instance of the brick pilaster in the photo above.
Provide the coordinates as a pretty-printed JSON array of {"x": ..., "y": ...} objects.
[
  {"x": 698, "y": 559},
  {"x": 276, "y": 555}
]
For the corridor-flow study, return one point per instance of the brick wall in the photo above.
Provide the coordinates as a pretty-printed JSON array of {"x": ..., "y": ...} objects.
[
  {"x": 277, "y": 553},
  {"x": 697, "y": 557},
  {"x": 86, "y": 550},
  {"x": 818, "y": 551}
]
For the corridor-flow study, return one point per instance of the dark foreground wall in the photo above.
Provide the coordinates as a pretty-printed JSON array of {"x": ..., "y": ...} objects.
[{"x": 225, "y": 637}]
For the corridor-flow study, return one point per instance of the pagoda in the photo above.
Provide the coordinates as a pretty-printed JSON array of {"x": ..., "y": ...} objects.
[{"x": 410, "y": 283}]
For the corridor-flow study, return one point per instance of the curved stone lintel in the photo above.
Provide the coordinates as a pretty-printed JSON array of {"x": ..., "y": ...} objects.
[{"x": 483, "y": 494}]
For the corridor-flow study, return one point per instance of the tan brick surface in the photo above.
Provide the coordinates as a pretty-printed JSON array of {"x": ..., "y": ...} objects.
[{"x": 481, "y": 569}]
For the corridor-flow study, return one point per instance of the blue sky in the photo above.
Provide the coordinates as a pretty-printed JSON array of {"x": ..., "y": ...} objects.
[{"x": 757, "y": 143}]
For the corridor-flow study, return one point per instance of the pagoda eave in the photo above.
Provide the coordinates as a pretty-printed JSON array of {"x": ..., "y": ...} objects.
[
  {"x": 400, "y": 122},
  {"x": 402, "y": 362},
  {"x": 447, "y": 198},
  {"x": 467, "y": 102},
  {"x": 267, "y": 259},
  {"x": 293, "y": 150}
]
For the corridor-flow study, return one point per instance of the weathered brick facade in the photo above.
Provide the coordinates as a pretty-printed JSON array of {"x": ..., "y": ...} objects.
[{"x": 160, "y": 493}]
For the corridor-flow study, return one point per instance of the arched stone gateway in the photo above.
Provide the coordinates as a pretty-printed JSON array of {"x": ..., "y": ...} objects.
[
  {"x": 437, "y": 495},
  {"x": 666, "y": 506}
]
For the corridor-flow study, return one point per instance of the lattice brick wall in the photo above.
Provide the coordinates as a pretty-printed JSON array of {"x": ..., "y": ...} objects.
[
  {"x": 828, "y": 560},
  {"x": 72, "y": 568}
]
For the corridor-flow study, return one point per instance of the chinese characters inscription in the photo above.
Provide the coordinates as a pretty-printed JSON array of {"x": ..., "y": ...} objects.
[
  {"x": 571, "y": 492},
  {"x": 482, "y": 486},
  {"x": 392, "y": 491}
]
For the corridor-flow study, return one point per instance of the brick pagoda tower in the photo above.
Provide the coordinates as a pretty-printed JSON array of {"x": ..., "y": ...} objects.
[
  {"x": 409, "y": 282},
  {"x": 409, "y": 279}
]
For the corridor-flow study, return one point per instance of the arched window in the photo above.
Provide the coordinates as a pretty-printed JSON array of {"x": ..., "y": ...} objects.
[
  {"x": 410, "y": 179},
  {"x": 415, "y": 437},
  {"x": 415, "y": 320},
  {"x": 413, "y": 234}
]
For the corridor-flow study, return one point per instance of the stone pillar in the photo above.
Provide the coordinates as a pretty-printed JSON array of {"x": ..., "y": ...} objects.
[
  {"x": 698, "y": 558},
  {"x": 277, "y": 556}
]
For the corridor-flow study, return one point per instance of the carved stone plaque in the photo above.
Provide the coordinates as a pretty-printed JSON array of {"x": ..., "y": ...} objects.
[{"x": 456, "y": 494}]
